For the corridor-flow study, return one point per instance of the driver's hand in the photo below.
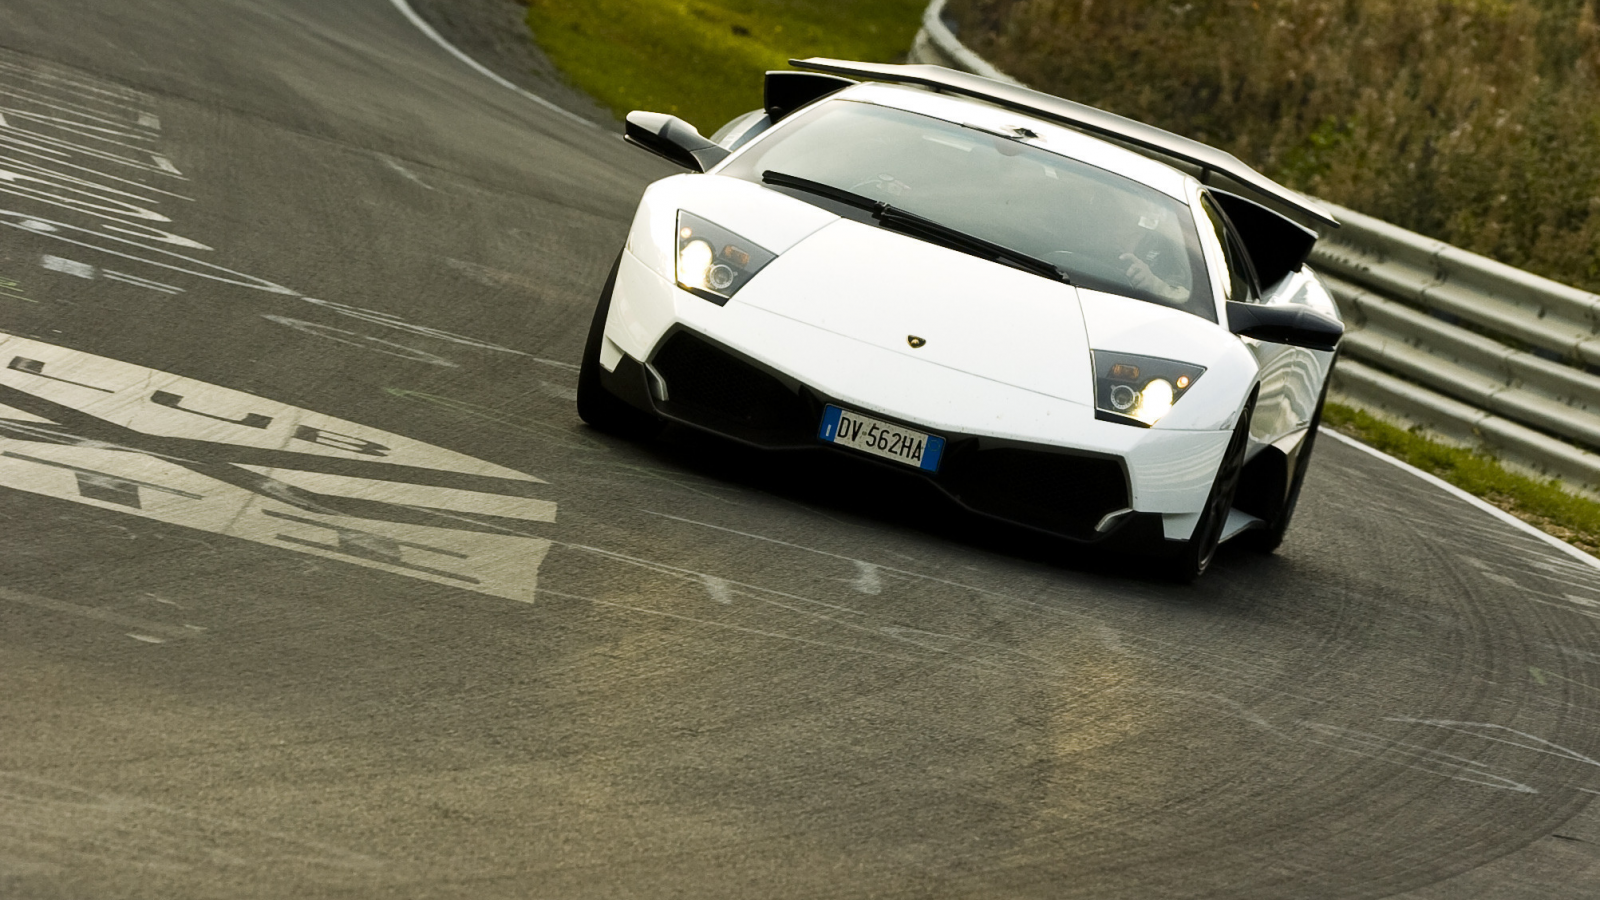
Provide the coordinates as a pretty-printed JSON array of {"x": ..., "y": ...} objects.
[{"x": 1140, "y": 276}]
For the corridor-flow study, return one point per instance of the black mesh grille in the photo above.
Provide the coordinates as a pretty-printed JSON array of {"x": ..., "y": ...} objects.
[
  {"x": 1059, "y": 493},
  {"x": 706, "y": 384},
  {"x": 1056, "y": 492}
]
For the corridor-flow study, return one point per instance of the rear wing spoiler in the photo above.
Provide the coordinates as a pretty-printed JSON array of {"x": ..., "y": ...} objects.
[{"x": 1144, "y": 139}]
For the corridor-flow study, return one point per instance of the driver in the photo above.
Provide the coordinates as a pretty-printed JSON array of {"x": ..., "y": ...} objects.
[{"x": 1156, "y": 262}]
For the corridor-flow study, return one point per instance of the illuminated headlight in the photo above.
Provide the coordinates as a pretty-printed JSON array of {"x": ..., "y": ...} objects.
[
  {"x": 1139, "y": 390},
  {"x": 713, "y": 262}
]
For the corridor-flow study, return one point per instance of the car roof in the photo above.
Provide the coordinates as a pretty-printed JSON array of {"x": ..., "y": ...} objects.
[{"x": 1051, "y": 138}]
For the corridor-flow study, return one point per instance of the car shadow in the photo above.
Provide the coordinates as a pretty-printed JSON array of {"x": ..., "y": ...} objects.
[{"x": 882, "y": 494}]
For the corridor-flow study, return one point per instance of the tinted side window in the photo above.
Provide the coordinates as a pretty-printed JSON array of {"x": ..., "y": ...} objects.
[
  {"x": 738, "y": 132},
  {"x": 1240, "y": 282}
]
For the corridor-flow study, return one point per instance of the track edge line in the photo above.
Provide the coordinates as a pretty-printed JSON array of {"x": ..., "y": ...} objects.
[
  {"x": 1479, "y": 502},
  {"x": 422, "y": 26}
]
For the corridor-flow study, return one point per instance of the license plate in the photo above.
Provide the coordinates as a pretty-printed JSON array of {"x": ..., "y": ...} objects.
[{"x": 886, "y": 439}]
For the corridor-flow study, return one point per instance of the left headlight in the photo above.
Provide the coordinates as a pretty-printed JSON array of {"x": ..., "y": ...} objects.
[
  {"x": 713, "y": 263},
  {"x": 1139, "y": 390}
]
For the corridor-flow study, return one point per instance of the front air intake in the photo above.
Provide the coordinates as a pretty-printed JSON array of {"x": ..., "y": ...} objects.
[
  {"x": 706, "y": 385},
  {"x": 1055, "y": 492}
]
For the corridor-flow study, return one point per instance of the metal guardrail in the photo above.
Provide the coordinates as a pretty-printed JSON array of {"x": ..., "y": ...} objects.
[
  {"x": 936, "y": 44},
  {"x": 1474, "y": 350},
  {"x": 1471, "y": 348}
]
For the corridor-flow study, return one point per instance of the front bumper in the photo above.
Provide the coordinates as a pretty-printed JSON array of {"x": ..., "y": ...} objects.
[
  {"x": 1013, "y": 454},
  {"x": 696, "y": 382}
]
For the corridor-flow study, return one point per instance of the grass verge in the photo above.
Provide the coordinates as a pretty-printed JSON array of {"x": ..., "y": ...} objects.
[
  {"x": 1542, "y": 504},
  {"x": 702, "y": 59}
]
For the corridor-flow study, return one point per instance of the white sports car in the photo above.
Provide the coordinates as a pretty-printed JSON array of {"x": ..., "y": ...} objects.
[{"x": 1050, "y": 312}]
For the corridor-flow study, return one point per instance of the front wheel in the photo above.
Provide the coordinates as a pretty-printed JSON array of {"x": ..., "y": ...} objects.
[
  {"x": 1267, "y": 539},
  {"x": 596, "y": 405},
  {"x": 1195, "y": 555}
]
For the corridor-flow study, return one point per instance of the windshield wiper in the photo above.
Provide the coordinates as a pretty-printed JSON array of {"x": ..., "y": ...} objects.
[
  {"x": 849, "y": 198},
  {"x": 938, "y": 233},
  {"x": 910, "y": 223}
]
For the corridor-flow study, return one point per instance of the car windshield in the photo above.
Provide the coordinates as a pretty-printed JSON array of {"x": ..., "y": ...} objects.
[{"x": 1106, "y": 232}]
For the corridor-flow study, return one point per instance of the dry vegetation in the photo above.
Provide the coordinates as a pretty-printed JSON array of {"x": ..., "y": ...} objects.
[{"x": 1474, "y": 121}]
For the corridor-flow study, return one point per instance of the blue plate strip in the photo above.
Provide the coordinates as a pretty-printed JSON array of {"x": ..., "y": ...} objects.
[
  {"x": 830, "y": 423},
  {"x": 932, "y": 452}
]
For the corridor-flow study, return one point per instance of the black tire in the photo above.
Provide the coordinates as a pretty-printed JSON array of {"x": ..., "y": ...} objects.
[
  {"x": 1194, "y": 556},
  {"x": 596, "y": 405},
  {"x": 1268, "y": 538}
]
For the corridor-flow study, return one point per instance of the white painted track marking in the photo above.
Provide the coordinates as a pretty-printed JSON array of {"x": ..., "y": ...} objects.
[
  {"x": 26, "y": 96},
  {"x": 136, "y": 281},
  {"x": 54, "y": 157},
  {"x": 1451, "y": 489},
  {"x": 405, "y": 172},
  {"x": 57, "y": 231},
  {"x": 111, "y": 456},
  {"x": 425, "y": 28},
  {"x": 103, "y": 615}
]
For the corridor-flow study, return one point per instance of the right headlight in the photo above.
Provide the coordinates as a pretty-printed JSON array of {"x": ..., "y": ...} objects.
[
  {"x": 713, "y": 262},
  {"x": 1139, "y": 390}
]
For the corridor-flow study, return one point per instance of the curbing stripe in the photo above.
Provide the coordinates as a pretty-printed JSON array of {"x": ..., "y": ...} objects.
[{"x": 425, "y": 28}]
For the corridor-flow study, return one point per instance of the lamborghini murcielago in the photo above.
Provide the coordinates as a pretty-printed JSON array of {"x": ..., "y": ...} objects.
[{"x": 1062, "y": 318}]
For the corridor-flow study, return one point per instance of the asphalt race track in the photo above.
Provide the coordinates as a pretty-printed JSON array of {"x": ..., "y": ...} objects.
[{"x": 313, "y": 583}]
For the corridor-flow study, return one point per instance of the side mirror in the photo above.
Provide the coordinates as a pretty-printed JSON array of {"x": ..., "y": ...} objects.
[
  {"x": 672, "y": 138},
  {"x": 1297, "y": 326}
]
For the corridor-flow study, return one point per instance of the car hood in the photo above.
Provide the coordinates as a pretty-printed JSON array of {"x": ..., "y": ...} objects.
[{"x": 937, "y": 305}]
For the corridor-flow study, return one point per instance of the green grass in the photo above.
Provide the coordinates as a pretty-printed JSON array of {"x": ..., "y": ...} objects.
[
  {"x": 1540, "y": 503},
  {"x": 702, "y": 59}
]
